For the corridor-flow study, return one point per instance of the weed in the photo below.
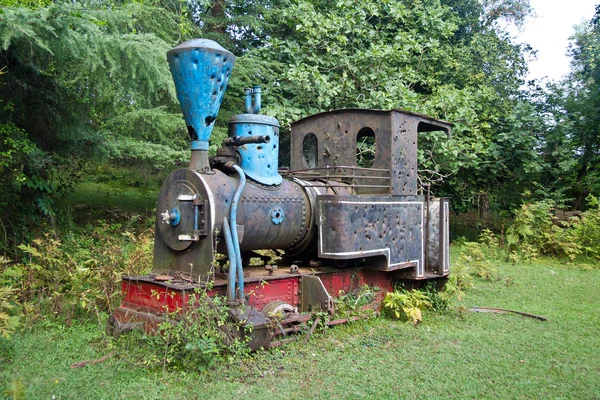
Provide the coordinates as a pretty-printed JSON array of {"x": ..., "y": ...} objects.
[
  {"x": 195, "y": 337},
  {"x": 406, "y": 305},
  {"x": 78, "y": 276},
  {"x": 438, "y": 301},
  {"x": 16, "y": 390},
  {"x": 535, "y": 231},
  {"x": 8, "y": 323},
  {"x": 356, "y": 302}
]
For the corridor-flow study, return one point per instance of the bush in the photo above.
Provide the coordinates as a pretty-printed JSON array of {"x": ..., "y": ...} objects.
[
  {"x": 78, "y": 276},
  {"x": 406, "y": 305},
  {"x": 586, "y": 231},
  {"x": 536, "y": 231},
  {"x": 8, "y": 323},
  {"x": 193, "y": 338}
]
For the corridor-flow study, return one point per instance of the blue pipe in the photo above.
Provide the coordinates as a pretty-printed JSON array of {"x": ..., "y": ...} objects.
[
  {"x": 232, "y": 261},
  {"x": 248, "y": 100},
  {"x": 234, "y": 235},
  {"x": 257, "y": 103}
]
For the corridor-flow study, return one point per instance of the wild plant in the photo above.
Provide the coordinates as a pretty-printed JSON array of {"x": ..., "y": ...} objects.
[
  {"x": 535, "y": 231},
  {"x": 530, "y": 233},
  {"x": 355, "y": 302},
  {"x": 192, "y": 338},
  {"x": 407, "y": 305},
  {"x": 79, "y": 276},
  {"x": 8, "y": 321}
]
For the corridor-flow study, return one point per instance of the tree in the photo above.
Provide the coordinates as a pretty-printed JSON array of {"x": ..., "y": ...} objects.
[
  {"x": 82, "y": 79},
  {"x": 442, "y": 58},
  {"x": 582, "y": 107}
]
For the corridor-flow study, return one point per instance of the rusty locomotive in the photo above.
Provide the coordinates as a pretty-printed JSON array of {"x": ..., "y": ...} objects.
[{"x": 340, "y": 219}]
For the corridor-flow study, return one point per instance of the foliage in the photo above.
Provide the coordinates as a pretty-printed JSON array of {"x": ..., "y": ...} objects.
[
  {"x": 8, "y": 323},
  {"x": 77, "y": 275},
  {"x": 97, "y": 70},
  {"x": 581, "y": 101},
  {"x": 356, "y": 302},
  {"x": 406, "y": 305},
  {"x": 474, "y": 260},
  {"x": 530, "y": 231},
  {"x": 585, "y": 232},
  {"x": 437, "y": 295},
  {"x": 565, "y": 114},
  {"x": 535, "y": 231},
  {"x": 193, "y": 338}
]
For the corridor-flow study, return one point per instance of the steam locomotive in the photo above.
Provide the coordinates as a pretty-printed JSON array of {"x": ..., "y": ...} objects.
[{"x": 340, "y": 217}]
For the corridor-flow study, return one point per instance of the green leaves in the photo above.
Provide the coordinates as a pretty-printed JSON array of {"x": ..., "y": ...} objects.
[
  {"x": 8, "y": 323},
  {"x": 406, "y": 305}
]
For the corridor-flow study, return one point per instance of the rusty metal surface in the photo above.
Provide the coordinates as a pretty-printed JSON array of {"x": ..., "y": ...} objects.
[
  {"x": 336, "y": 134},
  {"x": 171, "y": 253},
  {"x": 276, "y": 217},
  {"x": 404, "y": 142},
  {"x": 314, "y": 296},
  {"x": 352, "y": 227},
  {"x": 243, "y": 317},
  {"x": 438, "y": 243},
  {"x": 146, "y": 299},
  {"x": 200, "y": 70},
  {"x": 258, "y": 208},
  {"x": 335, "y": 142}
]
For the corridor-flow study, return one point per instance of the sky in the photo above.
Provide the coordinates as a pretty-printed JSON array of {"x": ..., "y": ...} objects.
[{"x": 548, "y": 33}]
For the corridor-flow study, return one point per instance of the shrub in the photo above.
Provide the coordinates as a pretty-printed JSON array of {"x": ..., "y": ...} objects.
[
  {"x": 586, "y": 231},
  {"x": 8, "y": 323},
  {"x": 536, "y": 231},
  {"x": 78, "y": 276},
  {"x": 193, "y": 338},
  {"x": 406, "y": 305}
]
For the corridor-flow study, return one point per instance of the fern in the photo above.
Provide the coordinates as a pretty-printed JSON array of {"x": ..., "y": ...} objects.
[{"x": 8, "y": 323}]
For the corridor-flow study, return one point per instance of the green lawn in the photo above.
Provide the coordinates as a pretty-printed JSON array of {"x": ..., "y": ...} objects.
[
  {"x": 457, "y": 355},
  {"x": 115, "y": 198}
]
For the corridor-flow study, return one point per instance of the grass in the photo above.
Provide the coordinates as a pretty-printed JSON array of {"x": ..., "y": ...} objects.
[
  {"x": 111, "y": 196},
  {"x": 457, "y": 354}
]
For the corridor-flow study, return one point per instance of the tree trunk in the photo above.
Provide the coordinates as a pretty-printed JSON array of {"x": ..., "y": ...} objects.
[{"x": 216, "y": 22}]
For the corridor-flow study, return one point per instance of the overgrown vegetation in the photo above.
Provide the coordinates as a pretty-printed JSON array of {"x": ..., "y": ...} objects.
[
  {"x": 536, "y": 231},
  {"x": 8, "y": 323},
  {"x": 406, "y": 304},
  {"x": 195, "y": 338},
  {"x": 369, "y": 359},
  {"x": 78, "y": 276}
]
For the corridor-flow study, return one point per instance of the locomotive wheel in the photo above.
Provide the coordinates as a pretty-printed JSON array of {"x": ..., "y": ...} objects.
[
  {"x": 245, "y": 316},
  {"x": 279, "y": 307}
]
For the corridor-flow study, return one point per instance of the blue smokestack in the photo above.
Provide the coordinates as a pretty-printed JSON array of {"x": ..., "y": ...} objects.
[{"x": 201, "y": 70}]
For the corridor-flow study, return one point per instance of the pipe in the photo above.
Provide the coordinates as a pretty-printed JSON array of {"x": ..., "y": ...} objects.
[
  {"x": 231, "y": 253},
  {"x": 257, "y": 100},
  {"x": 242, "y": 140},
  {"x": 248, "y": 106},
  {"x": 234, "y": 235}
]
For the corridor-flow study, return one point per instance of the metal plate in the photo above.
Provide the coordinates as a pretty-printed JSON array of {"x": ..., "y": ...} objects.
[
  {"x": 352, "y": 227},
  {"x": 168, "y": 200}
]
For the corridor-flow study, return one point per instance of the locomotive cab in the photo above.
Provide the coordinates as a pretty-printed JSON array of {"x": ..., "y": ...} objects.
[{"x": 384, "y": 219}]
